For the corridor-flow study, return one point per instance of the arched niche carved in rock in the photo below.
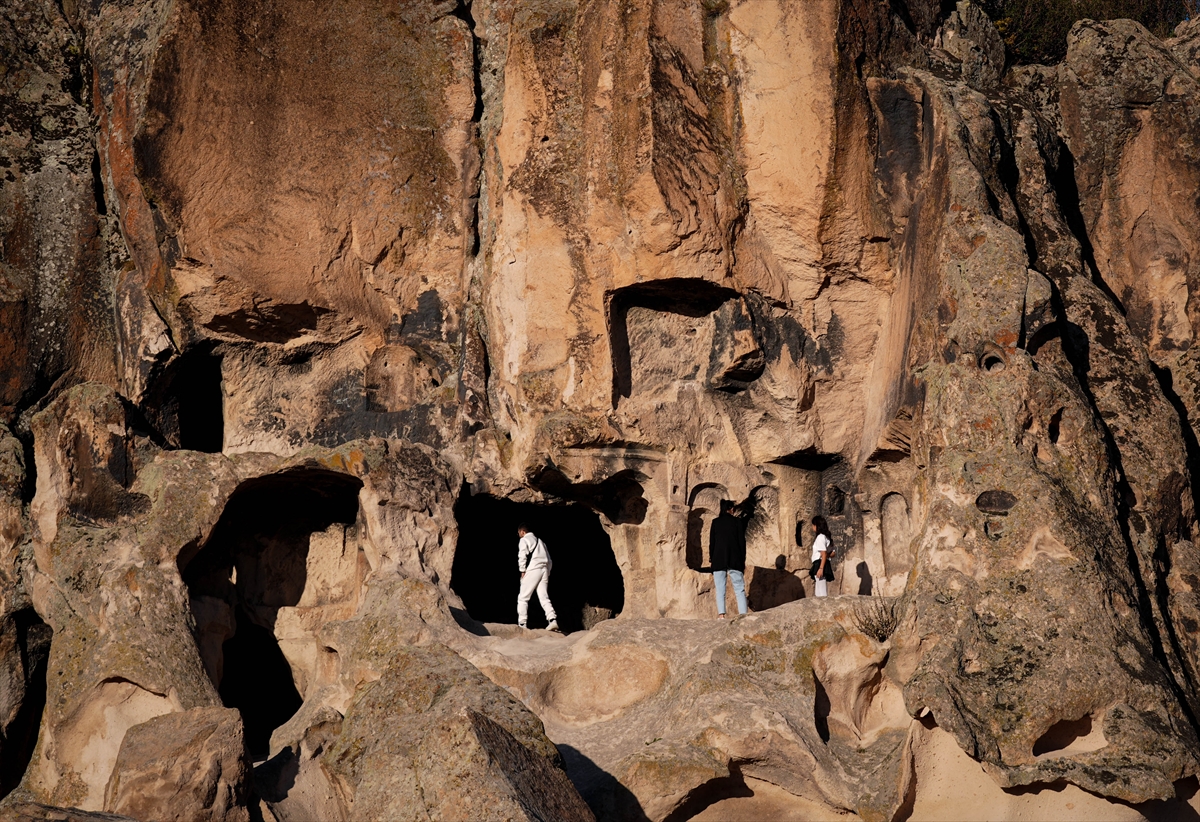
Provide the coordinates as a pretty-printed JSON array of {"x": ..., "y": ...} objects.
[
  {"x": 897, "y": 541},
  {"x": 770, "y": 582},
  {"x": 704, "y": 504}
]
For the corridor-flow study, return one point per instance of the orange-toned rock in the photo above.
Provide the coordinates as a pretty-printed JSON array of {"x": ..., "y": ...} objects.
[{"x": 303, "y": 308}]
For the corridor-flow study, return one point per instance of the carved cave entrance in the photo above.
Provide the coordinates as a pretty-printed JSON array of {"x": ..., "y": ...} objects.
[
  {"x": 680, "y": 330},
  {"x": 585, "y": 570},
  {"x": 255, "y": 564},
  {"x": 186, "y": 406}
]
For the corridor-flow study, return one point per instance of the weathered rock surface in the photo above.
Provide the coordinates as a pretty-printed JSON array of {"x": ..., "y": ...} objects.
[
  {"x": 133, "y": 722},
  {"x": 432, "y": 737},
  {"x": 302, "y": 310},
  {"x": 60, "y": 252},
  {"x": 186, "y": 765},
  {"x": 36, "y": 812},
  {"x": 789, "y": 713}
]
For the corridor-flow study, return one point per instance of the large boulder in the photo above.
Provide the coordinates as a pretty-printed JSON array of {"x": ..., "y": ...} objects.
[
  {"x": 433, "y": 738},
  {"x": 182, "y": 766}
]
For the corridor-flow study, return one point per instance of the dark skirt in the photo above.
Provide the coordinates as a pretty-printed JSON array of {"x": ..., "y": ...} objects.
[{"x": 828, "y": 569}]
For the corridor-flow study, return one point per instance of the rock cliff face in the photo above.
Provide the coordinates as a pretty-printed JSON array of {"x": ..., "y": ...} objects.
[{"x": 303, "y": 307}]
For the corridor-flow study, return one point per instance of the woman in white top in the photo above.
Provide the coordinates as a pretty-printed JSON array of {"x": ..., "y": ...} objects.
[{"x": 822, "y": 570}]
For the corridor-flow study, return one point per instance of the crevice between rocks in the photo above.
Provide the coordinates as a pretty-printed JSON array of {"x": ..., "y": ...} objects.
[
  {"x": 1075, "y": 351},
  {"x": 463, "y": 12},
  {"x": 1060, "y": 177}
]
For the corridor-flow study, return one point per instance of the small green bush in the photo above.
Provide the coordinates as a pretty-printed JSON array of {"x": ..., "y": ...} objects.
[{"x": 1035, "y": 31}]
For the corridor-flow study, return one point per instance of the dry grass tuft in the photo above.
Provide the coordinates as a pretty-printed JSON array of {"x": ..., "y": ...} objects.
[{"x": 879, "y": 617}]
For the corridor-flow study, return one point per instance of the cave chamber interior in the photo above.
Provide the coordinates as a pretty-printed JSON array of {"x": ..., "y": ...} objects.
[{"x": 584, "y": 571}]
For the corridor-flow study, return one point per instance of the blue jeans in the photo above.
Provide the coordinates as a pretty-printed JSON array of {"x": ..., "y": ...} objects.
[{"x": 739, "y": 589}]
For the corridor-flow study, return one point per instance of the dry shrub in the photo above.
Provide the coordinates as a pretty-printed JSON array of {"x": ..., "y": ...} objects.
[{"x": 878, "y": 617}]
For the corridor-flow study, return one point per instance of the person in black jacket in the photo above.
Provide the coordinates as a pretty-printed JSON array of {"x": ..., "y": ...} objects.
[{"x": 727, "y": 550}]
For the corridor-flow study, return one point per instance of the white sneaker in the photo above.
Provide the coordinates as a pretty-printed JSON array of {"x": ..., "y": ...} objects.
[
  {"x": 553, "y": 626},
  {"x": 522, "y": 625}
]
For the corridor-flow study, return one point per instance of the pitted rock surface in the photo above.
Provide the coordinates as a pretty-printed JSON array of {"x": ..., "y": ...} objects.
[{"x": 304, "y": 309}]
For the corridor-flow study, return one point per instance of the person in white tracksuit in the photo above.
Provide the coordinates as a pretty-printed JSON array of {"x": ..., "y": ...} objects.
[{"x": 533, "y": 560}]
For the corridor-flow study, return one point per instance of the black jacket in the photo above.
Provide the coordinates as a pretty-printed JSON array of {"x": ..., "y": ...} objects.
[{"x": 727, "y": 543}]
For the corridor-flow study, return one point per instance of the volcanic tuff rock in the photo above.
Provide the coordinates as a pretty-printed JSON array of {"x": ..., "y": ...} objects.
[{"x": 303, "y": 307}]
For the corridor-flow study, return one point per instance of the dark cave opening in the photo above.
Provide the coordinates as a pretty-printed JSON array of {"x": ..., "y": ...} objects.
[
  {"x": 186, "y": 406},
  {"x": 33, "y": 638},
  {"x": 258, "y": 682},
  {"x": 253, "y": 564},
  {"x": 201, "y": 412},
  {"x": 584, "y": 572}
]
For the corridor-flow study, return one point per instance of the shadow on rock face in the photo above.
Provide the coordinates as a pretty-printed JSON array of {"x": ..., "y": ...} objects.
[
  {"x": 465, "y": 622},
  {"x": 608, "y": 798},
  {"x": 866, "y": 583},
  {"x": 769, "y": 587},
  {"x": 32, "y": 646},
  {"x": 1174, "y": 810},
  {"x": 711, "y": 792},
  {"x": 253, "y": 567},
  {"x": 258, "y": 682}
]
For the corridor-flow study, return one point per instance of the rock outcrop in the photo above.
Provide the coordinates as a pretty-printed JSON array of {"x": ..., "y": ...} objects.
[{"x": 304, "y": 309}]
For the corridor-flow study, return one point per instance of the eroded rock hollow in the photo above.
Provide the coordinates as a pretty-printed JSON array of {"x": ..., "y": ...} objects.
[{"x": 304, "y": 307}]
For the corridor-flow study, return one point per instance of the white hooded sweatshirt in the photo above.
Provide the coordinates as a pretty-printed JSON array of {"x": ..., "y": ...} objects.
[{"x": 532, "y": 553}]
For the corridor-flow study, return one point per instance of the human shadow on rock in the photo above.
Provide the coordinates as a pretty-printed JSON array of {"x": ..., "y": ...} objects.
[
  {"x": 769, "y": 587},
  {"x": 866, "y": 583}
]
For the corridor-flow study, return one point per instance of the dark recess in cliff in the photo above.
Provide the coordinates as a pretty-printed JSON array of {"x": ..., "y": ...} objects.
[
  {"x": 186, "y": 406},
  {"x": 619, "y": 497},
  {"x": 255, "y": 563},
  {"x": 21, "y": 735},
  {"x": 691, "y": 298},
  {"x": 485, "y": 575}
]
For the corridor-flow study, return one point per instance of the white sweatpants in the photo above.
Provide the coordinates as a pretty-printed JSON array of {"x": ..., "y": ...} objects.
[
  {"x": 821, "y": 587},
  {"x": 539, "y": 579}
]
